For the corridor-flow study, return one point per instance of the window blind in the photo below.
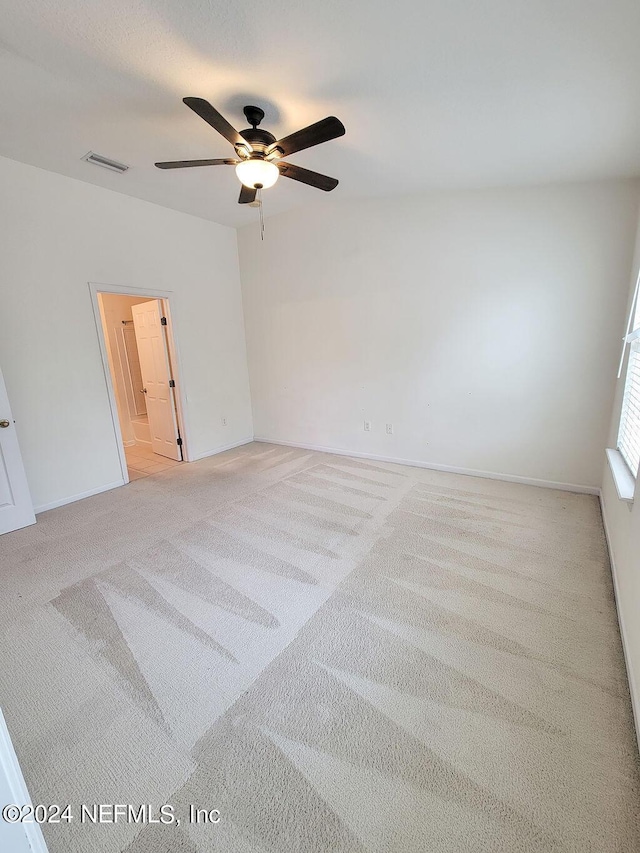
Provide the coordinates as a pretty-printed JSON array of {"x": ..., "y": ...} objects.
[{"x": 629, "y": 434}]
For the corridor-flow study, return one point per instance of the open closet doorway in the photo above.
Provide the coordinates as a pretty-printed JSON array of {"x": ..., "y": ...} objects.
[{"x": 141, "y": 363}]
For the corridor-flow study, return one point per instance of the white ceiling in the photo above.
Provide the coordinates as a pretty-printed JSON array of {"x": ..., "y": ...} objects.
[{"x": 433, "y": 93}]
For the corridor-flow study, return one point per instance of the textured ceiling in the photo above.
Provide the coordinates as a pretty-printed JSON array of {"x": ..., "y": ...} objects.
[{"x": 433, "y": 93}]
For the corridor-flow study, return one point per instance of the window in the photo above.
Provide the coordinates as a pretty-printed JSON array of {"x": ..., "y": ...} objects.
[{"x": 629, "y": 433}]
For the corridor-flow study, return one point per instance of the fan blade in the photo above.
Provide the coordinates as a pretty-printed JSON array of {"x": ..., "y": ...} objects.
[
  {"x": 306, "y": 176},
  {"x": 321, "y": 131},
  {"x": 212, "y": 116},
  {"x": 185, "y": 164},
  {"x": 247, "y": 195}
]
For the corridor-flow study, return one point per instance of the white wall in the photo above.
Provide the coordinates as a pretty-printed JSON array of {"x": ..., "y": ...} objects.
[
  {"x": 484, "y": 325},
  {"x": 622, "y": 522},
  {"x": 58, "y": 234}
]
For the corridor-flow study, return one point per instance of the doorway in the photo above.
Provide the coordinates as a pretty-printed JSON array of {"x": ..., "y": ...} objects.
[{"x": 140, "y": 360}]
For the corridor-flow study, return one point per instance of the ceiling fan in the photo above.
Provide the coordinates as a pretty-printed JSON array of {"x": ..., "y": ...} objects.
[{"x": 258, "y": 164}]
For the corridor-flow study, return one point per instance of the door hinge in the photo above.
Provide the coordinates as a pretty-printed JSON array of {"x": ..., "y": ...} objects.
[
  {"x": 172, "y": 383},
  {"x": 163, "y": 321},
  {"x": 179, "y": 442}
]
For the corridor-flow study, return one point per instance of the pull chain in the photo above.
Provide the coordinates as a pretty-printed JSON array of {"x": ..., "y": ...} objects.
[{"x": 259, "y": 194}]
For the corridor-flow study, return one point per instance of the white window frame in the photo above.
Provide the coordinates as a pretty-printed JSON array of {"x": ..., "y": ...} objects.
[
  {"x": 628, "y": 440},
  {"x": 621, "y": 460}
]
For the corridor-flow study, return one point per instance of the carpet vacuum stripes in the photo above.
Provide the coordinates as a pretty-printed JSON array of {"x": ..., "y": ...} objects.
[{"x": 338, "y": 655}]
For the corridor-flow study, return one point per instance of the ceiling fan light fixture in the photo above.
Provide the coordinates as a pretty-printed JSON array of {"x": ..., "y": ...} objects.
[
  {"x": 257, "y": 173},
  {"x": 257, "y": 148}
]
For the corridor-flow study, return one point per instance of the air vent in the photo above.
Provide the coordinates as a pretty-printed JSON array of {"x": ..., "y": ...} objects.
[{"x": 99, "y": 160}]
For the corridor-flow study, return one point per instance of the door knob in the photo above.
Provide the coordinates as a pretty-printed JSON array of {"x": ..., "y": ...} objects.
[
  {"x": 4, "y": 423},
  {"x": 143, "y": 390}
]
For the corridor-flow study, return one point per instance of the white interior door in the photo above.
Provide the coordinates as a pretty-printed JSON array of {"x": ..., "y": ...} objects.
[
  {"x": 16, "y": 509},
  {"x": 154, "y": 366},
  {"x": 15, "y": 837}
]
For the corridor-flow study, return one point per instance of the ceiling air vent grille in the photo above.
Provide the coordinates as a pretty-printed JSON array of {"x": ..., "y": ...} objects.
[{"x": 99, "y": 160}]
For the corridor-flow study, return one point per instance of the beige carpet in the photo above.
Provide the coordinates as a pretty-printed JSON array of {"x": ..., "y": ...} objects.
[{"x": 338, "y": 655}]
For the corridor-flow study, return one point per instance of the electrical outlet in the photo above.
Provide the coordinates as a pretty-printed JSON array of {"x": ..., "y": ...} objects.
[
  {"x": 367, "y": 426},
  {"x": 224, "y": 421},
  {"x": 389, "y": 429}
]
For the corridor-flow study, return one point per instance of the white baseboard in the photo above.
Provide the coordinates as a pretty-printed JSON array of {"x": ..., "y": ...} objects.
[
  {"x": 78, "y": 497},
  {"x": 633, "y": 687},
  {"x": 221, "y": 449},
  {"x": 23, "y": 836},
  {"x": 470, "y": 472}
]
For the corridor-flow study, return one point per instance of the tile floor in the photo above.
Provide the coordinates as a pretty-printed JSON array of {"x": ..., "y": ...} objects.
[{"x": 142, "y": 461}]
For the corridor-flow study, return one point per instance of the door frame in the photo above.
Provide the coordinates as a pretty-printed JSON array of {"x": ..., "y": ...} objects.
[{"x": 169, "y": 300}]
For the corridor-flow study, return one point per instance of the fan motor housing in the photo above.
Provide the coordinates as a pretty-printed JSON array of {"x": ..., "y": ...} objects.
[{"x": 259, "y": 140}]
